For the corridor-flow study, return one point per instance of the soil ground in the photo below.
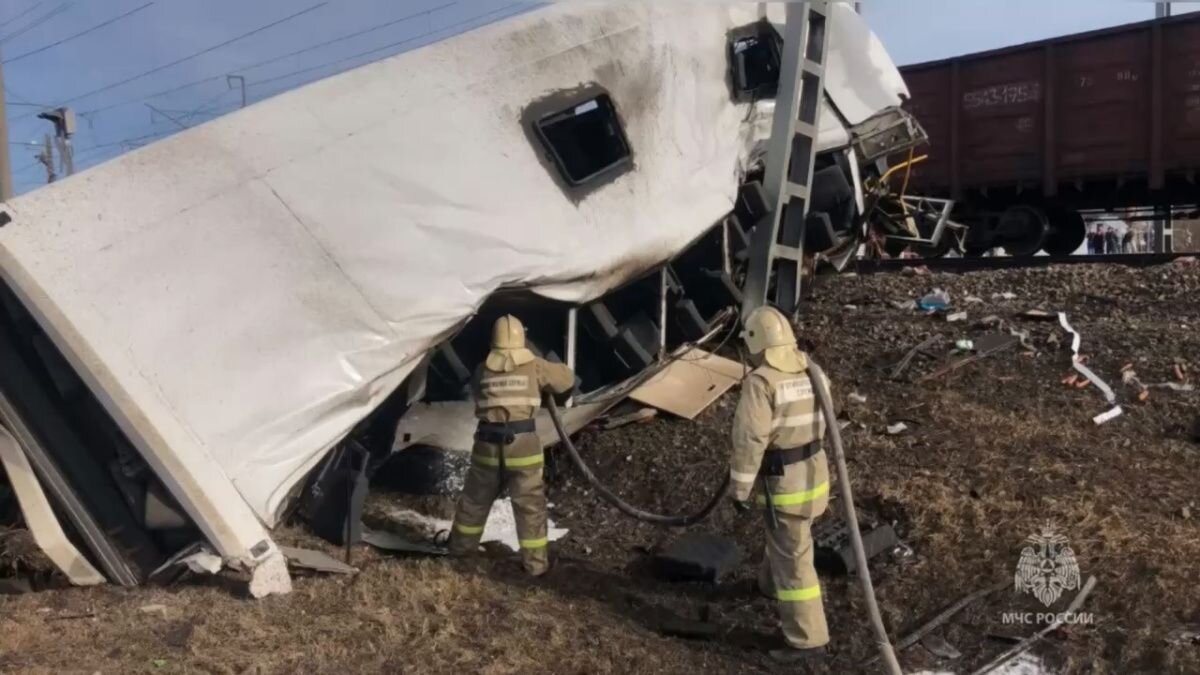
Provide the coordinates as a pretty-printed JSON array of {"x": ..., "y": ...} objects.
[{"x": 992, "y": 451}]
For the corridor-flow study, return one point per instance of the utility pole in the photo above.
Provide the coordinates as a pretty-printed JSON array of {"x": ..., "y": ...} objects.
[
  {"x": 1163, "y": 232},
  {"x": 46, "y": 157},
  {"x": 6, "y": 184},
  {"x": 63, "y": 120}
]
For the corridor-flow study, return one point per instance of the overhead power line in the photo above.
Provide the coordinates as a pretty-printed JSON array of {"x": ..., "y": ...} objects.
[
  {"x": 369, "y": 52},
  {"x": 98, "y": 26},
  {"x": 274, "y": 59},
  {"x": 27, "y": 10},
  {"x": 36, "y": 22},
  {"x": 189, "y": 57}
]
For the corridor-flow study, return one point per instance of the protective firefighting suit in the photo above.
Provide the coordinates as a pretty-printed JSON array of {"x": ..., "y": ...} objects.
[
  {"x": 507, "y": 454},
  {"x": 777, "y": 447}
]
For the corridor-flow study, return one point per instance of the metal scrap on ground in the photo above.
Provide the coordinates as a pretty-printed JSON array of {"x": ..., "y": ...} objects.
[
  {"x": 690, "y": 384},
  {"x": 1078, "y": 364}
]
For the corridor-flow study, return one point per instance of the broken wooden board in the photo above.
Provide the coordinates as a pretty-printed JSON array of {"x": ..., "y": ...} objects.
[{"x": 691, "y": 383}]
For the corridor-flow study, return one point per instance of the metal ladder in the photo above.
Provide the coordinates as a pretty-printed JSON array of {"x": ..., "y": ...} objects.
[{"x": 777, "y": 247}]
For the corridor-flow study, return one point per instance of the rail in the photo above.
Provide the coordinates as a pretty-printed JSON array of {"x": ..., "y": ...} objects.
[{"x": 973, "y": 264}]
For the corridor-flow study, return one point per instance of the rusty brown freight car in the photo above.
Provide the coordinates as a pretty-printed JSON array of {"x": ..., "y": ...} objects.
[{"x": 1026, "y": 137}]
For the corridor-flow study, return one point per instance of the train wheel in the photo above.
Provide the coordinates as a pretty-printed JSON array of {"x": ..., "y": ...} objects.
[
  {"x": 1067, "y": 232},
  {"x": 1022, "y": 230}
]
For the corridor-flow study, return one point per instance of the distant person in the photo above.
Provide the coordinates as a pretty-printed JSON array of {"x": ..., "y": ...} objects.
[
  {"x": 1112, "y": 243},
  {"x": 1127, "y": 241},
  {"x": 1093, "y": 241}
]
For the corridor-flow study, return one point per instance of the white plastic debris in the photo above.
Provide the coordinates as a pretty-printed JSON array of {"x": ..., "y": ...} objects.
[
  {"x": 897, "y": 428},
  {"x": 502, "y": 526},
  {"x": 857, "y": 397},
  {"x": 203, "y": 562},
  {"x": 1087, "y": 372},
  {"x": 956, "y": 316},
  {"x": 1006, "y": 295},
  {"x": 972, "y": 300}
]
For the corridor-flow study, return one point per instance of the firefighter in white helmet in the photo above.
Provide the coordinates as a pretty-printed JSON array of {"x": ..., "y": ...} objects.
[
  {"x": 507, "y": 388},
  {"x": 777, "y": 434}
]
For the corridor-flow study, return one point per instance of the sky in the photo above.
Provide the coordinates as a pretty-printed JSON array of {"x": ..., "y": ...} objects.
[{"x": 116, "y": 62}]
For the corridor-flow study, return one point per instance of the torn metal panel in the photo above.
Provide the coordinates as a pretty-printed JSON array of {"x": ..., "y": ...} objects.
[
  {"x": 40, "y": 518},
  {"x": 690, "y": 383},
  {"x": 317, "y": 561}
]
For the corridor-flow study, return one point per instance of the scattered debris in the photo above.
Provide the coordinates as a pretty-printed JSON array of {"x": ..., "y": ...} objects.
[
  {"x": 835, "y": 554},
  {"x": 927, "y": 342},
  {"x": 921, "y": 271},
  {"x": 936, "y": 300},
  {"x": 897, "y": 428},
  {"x": 1038, "y": 314},
  {"x": 981, "y": 354},
  {"x": 1188, "y": 634},
  {"x": 1078, "y": 363},
  {"x": 397, "y": 543},
  {"x": 956, "y": 316},
  {"x": 617, "y": 421},
  {"x": 689, "y": 384},
  {"x": 857, "y": 397},
  {"x": 945, "y": 615},
  {"x": 972, "y": 300},
  {"x": 153, "y": 609},
  {"x": 1186, "y": 261},
  {"x": 964, "y": 345},
  {"x": 698, "y": 556},
  {"x": 316, "y": 561},
  {"x": 40, "y": 516},
  {"x": 1006, "y": 295},
  {"x": 1028, "y": 642},
  {"x": 904, "y": 304},
  {"x": 939, "y": 647},
  {"x": 203, "y": 561}
]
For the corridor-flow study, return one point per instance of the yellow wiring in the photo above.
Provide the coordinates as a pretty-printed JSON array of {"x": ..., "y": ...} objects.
[{"x": 907, "y": 163}]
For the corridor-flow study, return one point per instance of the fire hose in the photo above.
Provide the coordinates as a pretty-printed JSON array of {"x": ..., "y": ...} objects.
[
  {"x": 615, "y": 500},
  {"x": 883, "y": 643}
]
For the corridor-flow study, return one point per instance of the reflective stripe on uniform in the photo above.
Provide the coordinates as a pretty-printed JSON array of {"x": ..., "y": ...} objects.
[
  {"x": 506, "y": 383},
  {"x": 534, "y": 543},
  {"x": 743, "y": 477},
  {"x": 798, "y": 594},
  {"x": 796, "y": 498},
  {"x": 508, "y": 402},
  {"x": 510, "y": 462},
  {"x": 468, "y": 529},
  {"x": 792, "y": 391},
  {"x": 794, "y": 420}
]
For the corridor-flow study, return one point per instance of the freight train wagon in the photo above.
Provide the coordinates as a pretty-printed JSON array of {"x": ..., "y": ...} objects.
[{"x": 1027, "y": 137}]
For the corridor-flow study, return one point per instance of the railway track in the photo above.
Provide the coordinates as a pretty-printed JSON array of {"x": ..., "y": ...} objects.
[{"x": 957, "y": 265}]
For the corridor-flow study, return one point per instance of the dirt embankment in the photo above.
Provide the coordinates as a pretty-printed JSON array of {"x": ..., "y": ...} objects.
[{"x": 992, "y": 452}]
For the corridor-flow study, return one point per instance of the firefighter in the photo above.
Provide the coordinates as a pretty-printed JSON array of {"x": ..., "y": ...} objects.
[
  {"x": 507, "y": 388},
  {"x": 777, "y": 434}
]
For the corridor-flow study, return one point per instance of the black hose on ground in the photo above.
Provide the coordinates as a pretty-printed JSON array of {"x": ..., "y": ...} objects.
[
  {"x": 886, "y": 653},
  {"x": 612, "y": 498}
]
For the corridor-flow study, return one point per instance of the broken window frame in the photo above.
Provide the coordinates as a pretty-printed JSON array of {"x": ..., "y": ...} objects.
[
  {"x": 765, "y": 35},
  {"x": 594, "y": 100}
]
